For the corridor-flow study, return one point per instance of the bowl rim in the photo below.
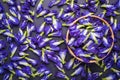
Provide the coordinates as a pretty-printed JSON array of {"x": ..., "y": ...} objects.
[{"x": 93, "y": 16}]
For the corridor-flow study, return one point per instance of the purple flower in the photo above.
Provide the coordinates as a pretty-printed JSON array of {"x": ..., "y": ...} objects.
[
  {"x": 31, "y": 61},
  {"x": 1, "y": 70},
  {"x": 69, "y": 64},
  {"x": 77, "y": 71},
  {"x": 61, "y": 3},
  {"x": 47, "y": 30},
  {"x": 1, "y": 8},
  {"x": 6, "y": 76},
  {"x": 27, "y": 70},
  {"x": 62, "y": 75},
  {"x": 57, "y": 25},
  {"x": 10, "y": 2},
  {"x": 41, "y": 27},
  {"x": 24, "y": 47},
  {"x": 23, "y": 24},
  {"x": 16, "y": 58},
  {"x": 55, "y": 34},
  {"x": 20, "y": 73},
  {"x": 12, "y": 20},
  {"x": 32, "y": 2},
  {"x": 48, "y": 20},
  {"x": 2, "y": 44},
  {"x": 53, "y": 2}
]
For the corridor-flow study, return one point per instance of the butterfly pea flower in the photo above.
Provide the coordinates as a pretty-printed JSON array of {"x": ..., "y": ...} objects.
[
  {"x": 56, "y": 42},
  {"x": 48, "y": 20},
  {"x": 13, "y": 48},
  {"x": 93, "y": 36},
  {"x": 27, "y": 70},
  {"x": 42, "y": 68},
  {"x": 115, "y": 56},
  {"x": 109, "y": 65},
  {"x": 2, "y": 31},
  {"x": 23, "y": 47},
  {"x": 106, "y": 42},
  {"x": 93, "y": 9},
  {"x": 77, "y": 71},
  {"x": 24, "y": 63},
  {"x": 6, "y": 76},
  {"x": 39, "y": 6},
  {"x": 61, "y": 3},
  {"x": 52, "y": 13},
  {"x": 13, "y": 20},
  {"x": 75, "y": 7},
  {"x": 114, "y": 27},
  {"x": 9, "y": 67},
  {"x": 48, "y": 29},
  {"x": 56, "y": 23},
  {"x": 71, "y": 41},
  {"x": 116, "y": 71},
  {"x": 87, "y": 44},
  {"x": 118, "y": 63},
  {"x": 1, "y": 70},
  {"x": 1, "y": 8},
  {"x": 53, "y": 48},
  {"x": 109, "y": 6},
  {"x": 66, "y": 16},
  {"x": 21, "y": 73},
  {"x": 75, "y": 65},
  {"x": 53, "y": 3},
  {"x": 60, "y": 68},
  {"x": 24, "y": 8},
  {"x": 13, "y": 11},
  {"x": 68, "y": 9},
  {"x": 62, "y": 55},
  {"x": 23, "y": 24},
  {"x": 94, "y": 75},
  {"x": 10, "y": 2},
  {"x": 22, "y": 78},
  {"x": 60, "y": 13},
  {"x": 2, "y": 44},
  {"x": 42, "y": 13},
  {"x": 30, "y": 28},
  {"x": 62, "y": 75},
  {"x": 21, "y": 37},
  {"x": 43, "y": 42},
  {"x": 28, "y": 17},
  {"x": 31, "y": 44},
  {"x": 16, "y": 66},
  {"x": 5, "y": 21},
  {"x": 16, "y": 58},
  {"x": 84, "y": 5},
  {"x": 41, "y": 28},
  {"x": 8, "y": 33},
  {"x": 110, "y": 77},
  {"x": 102, "y": 15},
  {"x": 43, "y": 56},
  {"x": 37, "y": 52},
  {"x": 23, "y": 54},
  {"x": 46, "y": 77},
  {"x": 55, "y": 59},
  {"x": 75, "y": 33},
  {"x": 31, "y": 61},
  {"x": 70, "y": 63},
  {"x": 32, "y": 2}
]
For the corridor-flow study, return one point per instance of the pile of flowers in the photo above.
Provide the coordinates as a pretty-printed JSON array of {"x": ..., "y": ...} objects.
[{"x": 33, "y": 40}]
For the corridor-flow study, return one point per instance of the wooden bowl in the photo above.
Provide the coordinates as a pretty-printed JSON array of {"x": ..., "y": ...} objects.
[{"x": 83, "y": 17}]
